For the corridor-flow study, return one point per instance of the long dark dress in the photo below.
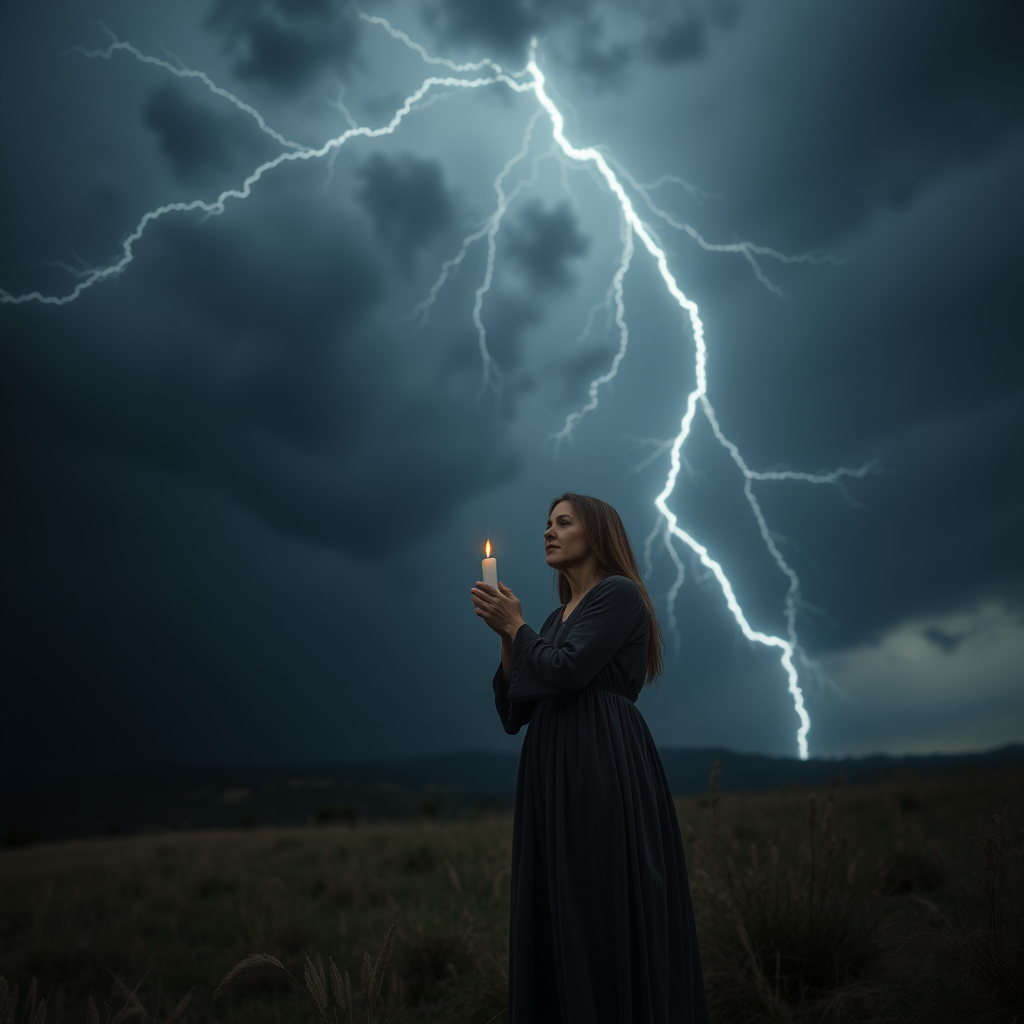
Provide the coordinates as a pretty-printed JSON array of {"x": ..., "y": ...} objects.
[{"x": 602, "y": 924}]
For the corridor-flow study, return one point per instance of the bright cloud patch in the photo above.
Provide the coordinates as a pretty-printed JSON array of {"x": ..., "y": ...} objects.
[{"x": 952, "y": 682}]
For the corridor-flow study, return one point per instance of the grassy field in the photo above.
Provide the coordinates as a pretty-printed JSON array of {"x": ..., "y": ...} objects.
[{"x": 900, "y": 902}]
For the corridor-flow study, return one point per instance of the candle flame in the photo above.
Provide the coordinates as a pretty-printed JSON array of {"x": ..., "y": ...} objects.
[{"x": 487, "y": 549}]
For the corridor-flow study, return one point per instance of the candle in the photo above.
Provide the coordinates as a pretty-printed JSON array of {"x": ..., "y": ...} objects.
[{"x": 489, "y": 567}]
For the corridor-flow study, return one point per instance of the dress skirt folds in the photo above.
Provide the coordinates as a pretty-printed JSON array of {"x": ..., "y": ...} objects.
[{"x": 602, "y": 924}]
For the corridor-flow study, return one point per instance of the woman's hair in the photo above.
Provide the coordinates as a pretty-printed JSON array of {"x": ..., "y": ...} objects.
[{"x": 610, "y": 544}]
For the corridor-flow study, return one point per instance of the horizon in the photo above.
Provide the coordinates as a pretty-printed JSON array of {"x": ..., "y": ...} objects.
[{"x": 273, "y": 766}]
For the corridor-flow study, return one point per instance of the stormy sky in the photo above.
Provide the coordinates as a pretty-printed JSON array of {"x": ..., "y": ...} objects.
[{"x": 246, "y": 486}]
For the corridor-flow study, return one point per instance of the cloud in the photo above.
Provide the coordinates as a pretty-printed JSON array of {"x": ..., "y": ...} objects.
[
  {"x": 508, "y": 317},
  {"x": 944, "y": 482},
  {"x": 505, "y": 26},
  {"x": 902, "y": 97},
  {"x": 198, "y": 141},
  {"x": 581, "y": 365},
  {"x": 595, "y": 38},
  {"x": 589, "y": 52},
  {"x": 407, "y": 201},
  {"x": 903, "y": 355},
  {"x": 292, "y": 271},
  {"x": 944, "y": 640},
  {"x": 326, "y": 419},
  {"x": 257, "y": 355},
  {"x": 684, "y": 39},
  {"x": 543, "y": 243},
  {"x": 907, "y": 692},
  {"x": 286, "y": 43}
]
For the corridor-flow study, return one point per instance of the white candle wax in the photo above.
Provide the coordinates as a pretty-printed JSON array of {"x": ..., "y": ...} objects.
[{"x": 489, "y": 568}]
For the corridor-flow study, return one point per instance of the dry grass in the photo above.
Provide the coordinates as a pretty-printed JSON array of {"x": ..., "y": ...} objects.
[
  {"x": 980, "y": 949},
  {"x": 895, "y": 902},
  {"x": 789, "y": 928},
  {"x": 182, "y": 909},
  {"x": 314, "y": 983}
]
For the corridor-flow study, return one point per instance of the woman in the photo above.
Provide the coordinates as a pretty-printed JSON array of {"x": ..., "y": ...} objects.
[{"x": 602, "y": 925}]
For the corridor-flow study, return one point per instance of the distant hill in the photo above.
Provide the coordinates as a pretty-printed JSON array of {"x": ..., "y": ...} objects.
[
  {"x": 688, "y": 771},
  {"x": 147, "y": 799}
]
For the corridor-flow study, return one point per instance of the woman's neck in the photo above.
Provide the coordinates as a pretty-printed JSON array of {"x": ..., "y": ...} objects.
[{"x": 581, "y": 578}]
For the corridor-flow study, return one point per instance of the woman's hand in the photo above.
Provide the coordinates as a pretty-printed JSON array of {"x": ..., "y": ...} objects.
[{"x": 500, "y": 608}]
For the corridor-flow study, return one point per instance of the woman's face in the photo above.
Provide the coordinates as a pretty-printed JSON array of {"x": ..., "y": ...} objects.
[{"x": 565, "y": 543}]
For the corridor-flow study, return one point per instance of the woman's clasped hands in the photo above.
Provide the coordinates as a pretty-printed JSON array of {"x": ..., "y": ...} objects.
[{"x": 500, "y": 608}]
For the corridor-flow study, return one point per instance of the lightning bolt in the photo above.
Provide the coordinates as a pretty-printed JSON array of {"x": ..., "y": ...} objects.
[
  {"x": 294, "y": 152},
  {"x": 634, "y": 230},
  {"x": 178, "y": 69},
  {"x": 490, "y": 230}
]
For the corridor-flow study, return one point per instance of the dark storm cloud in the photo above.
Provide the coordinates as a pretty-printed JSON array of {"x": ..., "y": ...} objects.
[
  {"x": 604, "y": 43},
  {"x": 298, "y": 275},
  {"x": 596, "y": 39},
  {"x": 908, "y": 93},
  {"x": 503, "y": 25},
  {"x": 908, "y": 352},
  {"x": 945, "y": 641},
  {"x": 958, "y": 492},
  {"x": 580, "y": 366},
  {"x": 325, "y": 420},
  {"x": 543, "y": 244},
  {"x": 509, "y": 317},
  {"x": 937, "y": 527},
  {"x": 281, "y": 381},
  {"x": 199, "y": 141},
  {"x": 600, "y": 61},
  {"x": 720, "y": 13},
  {"x": 286, "y": 43},
  {"x": 407, "y": 201},
  {"x": 682, "y": 39}
]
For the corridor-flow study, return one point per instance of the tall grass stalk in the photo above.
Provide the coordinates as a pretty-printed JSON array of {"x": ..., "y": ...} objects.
[
  {"x": 314, "y": 984},
  {"x": 986, "y": 948},
  {"x": 124, "y": 1005},
  {"x": 785, "y": 931}
]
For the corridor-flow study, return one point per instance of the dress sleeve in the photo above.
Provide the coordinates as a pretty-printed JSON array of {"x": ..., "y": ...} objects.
[
  {"x": 515, "y": 716},
  {"x": 601, "y": 626}
]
